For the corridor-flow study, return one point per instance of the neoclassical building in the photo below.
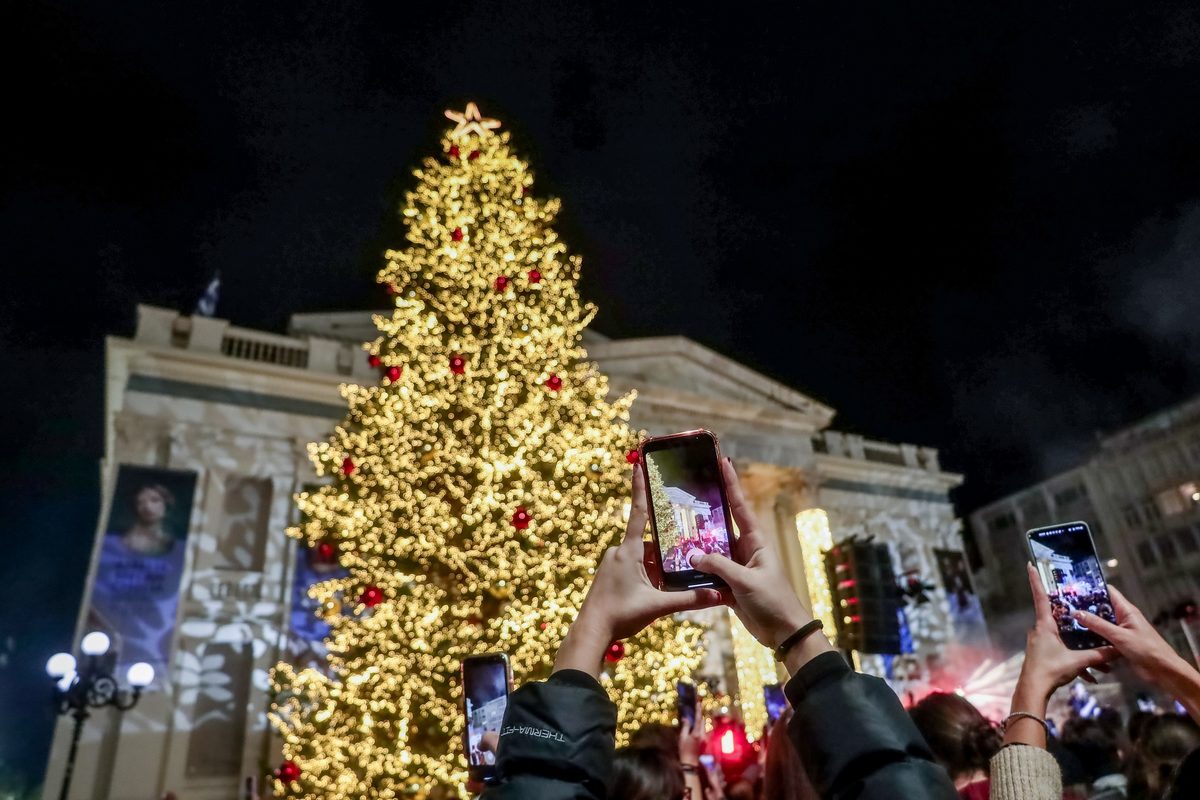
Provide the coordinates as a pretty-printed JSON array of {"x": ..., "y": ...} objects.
[{"x": 233, "y": 410}]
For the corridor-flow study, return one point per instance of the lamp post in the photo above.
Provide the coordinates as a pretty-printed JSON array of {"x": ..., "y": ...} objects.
[{"x": 89, "y": 683}]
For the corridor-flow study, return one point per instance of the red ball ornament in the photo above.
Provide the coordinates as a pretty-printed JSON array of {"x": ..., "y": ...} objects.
[
  {"x": 458, "y": 365},
  {"x": 474, "y": 155},
  {"x": 371, "y": 596},
  {"x": 521, "y": 518},
  {"x": 457, "y": 235},
  {"x": 348, "y": 465},
  {"x": 393, "y": 373},
  {"x": 535, "y": 276},
  {"x": 453, "y": 151},
  {"x": 288, "y": 771},
  {"x": 615, "y": 652},
  {"x": 501, "y": 283},
  {"x": 633, "y": 456},
  {"x": 554, "y": 383},
  {"x": 326, "y": 552},
  {"x": 374, "y": 360},
  {"x": 391, "y": 288}
]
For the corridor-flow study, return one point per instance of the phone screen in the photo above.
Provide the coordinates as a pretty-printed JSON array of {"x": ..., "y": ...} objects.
[
  {"x": 686, "y": 703},
  {"x": 1065, "y": 558},
  {"x": 689, "y": 512},
  {"x": 485, "y": 697},
  {"x": 776, "y": 702}
]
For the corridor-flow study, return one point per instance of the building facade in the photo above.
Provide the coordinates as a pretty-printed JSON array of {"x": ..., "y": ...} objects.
[
  {"x": 236, "y": 408},
  {"x": 1140, "y": 493}
]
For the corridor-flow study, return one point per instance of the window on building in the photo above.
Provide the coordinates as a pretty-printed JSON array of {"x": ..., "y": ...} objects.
[
  {"x": 1004, "y": 522},
  {"x": 1146, "y": 554},
  {"x": 247, "y": 511},
  {"x": 1131, "y": 516},
  {"x": 1166, "y": 548},
  {"x": 1070, "y": 495},
  {"x": 1186, "y": 539}
]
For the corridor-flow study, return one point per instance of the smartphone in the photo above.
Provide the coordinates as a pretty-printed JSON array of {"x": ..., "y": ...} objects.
[
  {"x": 686, "y": 704},
  {"x": 775, "y": 701},
  {"x": 1065, "y": 558},
  {"x": 688, "y": 505},
  {"x": 485, "y": 680}
]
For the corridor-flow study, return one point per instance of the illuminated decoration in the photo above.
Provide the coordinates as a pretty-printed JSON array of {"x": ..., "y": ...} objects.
[
  {"x": 470, "y": 122},
  {"x": 812, "y": 528},
  {"x": 755, "y": 669},
  {"x": 447, "y": 454}
]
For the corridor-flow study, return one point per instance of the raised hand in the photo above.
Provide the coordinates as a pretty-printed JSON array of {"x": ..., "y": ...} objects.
[
  {"x": 622, "y": 599},
  {"x": 762, "y": 594}
]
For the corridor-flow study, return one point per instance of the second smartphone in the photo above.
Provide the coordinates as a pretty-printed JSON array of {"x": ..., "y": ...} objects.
[
  {"x": 1066, "y": 560},
  {"x": 485, "y": 680},
  {"x": 689, "y": 511}
]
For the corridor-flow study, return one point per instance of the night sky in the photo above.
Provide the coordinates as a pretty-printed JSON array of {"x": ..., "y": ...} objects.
[{"x": 966, "y": 228}]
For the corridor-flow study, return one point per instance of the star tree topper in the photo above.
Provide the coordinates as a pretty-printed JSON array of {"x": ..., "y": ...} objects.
[{"x": 469, "y": 121}]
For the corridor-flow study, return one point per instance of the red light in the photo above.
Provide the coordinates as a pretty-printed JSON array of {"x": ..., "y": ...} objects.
[
  {"x": 856, "y": 619},
  {"x": 851, "y": 601},
  {"x": 846, "y": 584},
  {"x": 728, "y": 746}
]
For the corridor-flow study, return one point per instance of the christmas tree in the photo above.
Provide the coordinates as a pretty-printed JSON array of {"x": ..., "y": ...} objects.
[
  {"x": 473, "y": 491},
  {"x": 669, "y": 534}
]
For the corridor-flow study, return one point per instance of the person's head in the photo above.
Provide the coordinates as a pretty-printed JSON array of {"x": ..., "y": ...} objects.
[
  {"x": 646, "y": 773},
  {"x": 655, "y": 734},
  {"x": 1137, "y": 724},
  {"x": 962, "y": 739},
  {"x": 741, "y": 790},
  {"x": 1164, "y": 743},
  {"x": 1095, "y": 745},
  {"x": 152, "y": 503},
  {"x": 1185, "y": 783},
  {"x": 784, "y": 776}
]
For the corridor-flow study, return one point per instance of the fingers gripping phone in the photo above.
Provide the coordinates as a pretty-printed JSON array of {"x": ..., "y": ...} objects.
[
  {"x": 689, "y": 510},
  {"x": 485, "y": 680},
  {"x": 1065, "y": 558}
]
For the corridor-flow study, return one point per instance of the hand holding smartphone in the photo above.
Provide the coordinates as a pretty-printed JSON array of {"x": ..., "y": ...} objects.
[
  {"x": 688, "y": 504},
  {"x": 486, "y": 680},
  {"x": 1065, "y": 558}
]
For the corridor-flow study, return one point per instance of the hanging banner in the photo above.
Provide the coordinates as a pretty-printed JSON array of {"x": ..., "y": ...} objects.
[
  {"x": 136, "y": 593},
  {"x": 966, "y": 612},
  {"x": 306, "y": 629}
]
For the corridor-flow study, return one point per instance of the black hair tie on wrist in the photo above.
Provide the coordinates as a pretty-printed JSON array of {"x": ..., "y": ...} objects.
[{"x": 806, "y": 630}]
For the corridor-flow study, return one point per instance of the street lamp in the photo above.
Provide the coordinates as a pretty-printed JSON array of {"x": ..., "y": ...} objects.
[{"x": 89, "y": 683}]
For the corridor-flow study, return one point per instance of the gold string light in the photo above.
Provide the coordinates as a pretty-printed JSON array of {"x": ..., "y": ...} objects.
[
  {"x": 474, "y": 489},
  {"x": 812, "y": 529},
  {"x": 755, "y": 669}
]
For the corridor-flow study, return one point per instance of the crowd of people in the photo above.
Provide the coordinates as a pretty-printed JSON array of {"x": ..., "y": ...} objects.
[
  {"x": 845, "y": 735},
  {"x": 712, "y": 539},
  {"x": 1093, "y": 600}
]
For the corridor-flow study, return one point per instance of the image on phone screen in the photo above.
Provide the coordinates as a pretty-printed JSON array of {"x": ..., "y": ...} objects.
[
  {"x": 686, "y": 703},
  {"x": 1065, "y": 558},
  {"x": 485, "y": 690},
  {"x": 776, "y": 702},
  {"x": 688, "y": 504}
]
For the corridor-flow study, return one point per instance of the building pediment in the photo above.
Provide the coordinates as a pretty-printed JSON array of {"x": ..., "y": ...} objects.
[{"x": 690, "y": 371}]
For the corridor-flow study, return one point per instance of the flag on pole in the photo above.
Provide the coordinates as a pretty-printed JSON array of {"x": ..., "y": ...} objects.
[{"x": 206, "y": 306}]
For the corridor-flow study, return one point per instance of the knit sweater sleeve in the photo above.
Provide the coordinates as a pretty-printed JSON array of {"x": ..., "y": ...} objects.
[{"x": 1024, "y": 772}]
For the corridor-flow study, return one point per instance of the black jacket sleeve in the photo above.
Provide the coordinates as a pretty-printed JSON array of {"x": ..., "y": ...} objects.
[
  {"x": 855, "y": 738},
  {"x": 557, "y": 741}
]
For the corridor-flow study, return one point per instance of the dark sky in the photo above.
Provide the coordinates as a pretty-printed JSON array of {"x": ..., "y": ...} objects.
[{"x": 968, "y": 228}]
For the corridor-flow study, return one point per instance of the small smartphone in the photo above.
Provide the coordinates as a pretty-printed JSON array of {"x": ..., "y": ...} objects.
[
  {"x": 776, "y": 702},
  {"x": 1065, "y": 558},
  {"x": 689, "y": 510},
  {"x": 685, "y": 703},
  {"x": 485, "y": 680}
]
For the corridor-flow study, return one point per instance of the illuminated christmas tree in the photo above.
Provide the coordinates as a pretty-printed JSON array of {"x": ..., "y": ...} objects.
[
  {"x": 473, "y": 491},
  {"x": 669, "y": 534}
]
